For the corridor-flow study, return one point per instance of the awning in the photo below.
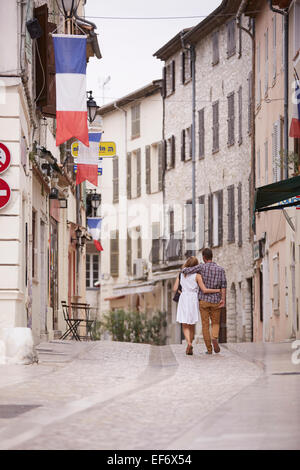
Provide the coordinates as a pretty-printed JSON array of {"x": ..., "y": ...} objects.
[
  {"x": 285, "y": 192},
  {"x": 134, "y": 289}
]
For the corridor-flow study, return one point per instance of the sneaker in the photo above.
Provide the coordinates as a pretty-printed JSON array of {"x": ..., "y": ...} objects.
[{"x": 216, "y": 346}]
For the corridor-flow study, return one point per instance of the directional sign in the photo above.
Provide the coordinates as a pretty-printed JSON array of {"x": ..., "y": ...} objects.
[
  {"x": 106, "y": 149},
  {"x": 4, "y": 158},
  {"x": 5, "y": 193}
]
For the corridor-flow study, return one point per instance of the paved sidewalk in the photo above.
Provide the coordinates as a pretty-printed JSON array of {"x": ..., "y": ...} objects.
[{"x": 110, "y": 395}]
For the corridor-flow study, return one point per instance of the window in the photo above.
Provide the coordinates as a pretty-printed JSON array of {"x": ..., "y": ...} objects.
[
  {"x": 170, "y": 78},
  {"x": 186, "y": 66},
  {"x": 217, "y": 217},
  {"x": 92, "y": 270},
  {"x": 230, "y": 103},
  {"x": 276, "y": 283},
  {"x": 201, "y": 222},
  {"x": 231, "y": 214},
  {"x": 34, "y": 248},
  {"x": 170, "y": 151},
  {"x": 276, "y": 151},
  {"x": 115, "y": 180},
  {"x": 215, "y": 48},
  {"x": 201, "y": 133},
  {"x": 114, "y": 253},
  {"x": 135, "y": 121},
  {"x": 215, "y": 127},
  {"x": 274, "y": 47},
  {"x": 266, "y": 162},
  {"x": 240, "y": 215},
  {"x": 240, "y": 97},
  {"x": 231, "y": 42},
  {"x": 250, "y": 102},
  {"x": 266, "y": 61}
]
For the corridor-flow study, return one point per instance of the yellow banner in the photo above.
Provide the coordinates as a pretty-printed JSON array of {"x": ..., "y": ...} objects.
[{"x": 106, "y": 149}]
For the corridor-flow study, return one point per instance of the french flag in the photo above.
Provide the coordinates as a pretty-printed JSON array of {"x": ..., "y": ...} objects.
[
  {"x": 71, "y": 107},
  {"x": 87, "y": 160},
  {"x": 295, "y": 124},
  {"x": 94, "y": 228}
]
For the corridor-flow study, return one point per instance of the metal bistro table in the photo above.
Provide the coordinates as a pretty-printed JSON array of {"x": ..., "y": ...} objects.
[{"x": 77, "y": 316}]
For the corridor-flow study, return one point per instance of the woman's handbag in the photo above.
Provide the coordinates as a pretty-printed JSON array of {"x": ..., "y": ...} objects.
[{"x": 178, "y": 292}]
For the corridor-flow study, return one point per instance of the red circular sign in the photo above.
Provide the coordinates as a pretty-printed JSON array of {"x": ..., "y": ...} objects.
[
  {"x": 5, "y": 193},
  {"x": 4, "y": 158}
]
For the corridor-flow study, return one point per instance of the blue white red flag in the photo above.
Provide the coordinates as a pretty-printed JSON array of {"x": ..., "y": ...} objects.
[
  {"x": 87, "y": 160},
  {"x": 295, "y": 124},
  {"x": 71, "y": 107},
  {"x": 94, "y": 228}
]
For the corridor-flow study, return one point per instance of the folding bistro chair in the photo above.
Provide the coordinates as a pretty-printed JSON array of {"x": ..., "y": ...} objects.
[
  {"x": 72, "y": 323},
  {"x": 76, "y": 309}
]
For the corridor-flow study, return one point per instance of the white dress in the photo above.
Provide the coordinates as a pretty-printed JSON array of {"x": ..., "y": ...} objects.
[{"x": 188, "y": 305}]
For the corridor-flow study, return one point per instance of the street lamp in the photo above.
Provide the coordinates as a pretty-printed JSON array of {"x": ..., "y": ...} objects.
[
  {"x": 69, "y": 7},
  {"x": 95, "y": 200},
  {"x": 92, "y": 107}
]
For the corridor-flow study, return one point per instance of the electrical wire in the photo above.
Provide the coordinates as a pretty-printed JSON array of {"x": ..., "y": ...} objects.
[{"x": 164, "y": 17}]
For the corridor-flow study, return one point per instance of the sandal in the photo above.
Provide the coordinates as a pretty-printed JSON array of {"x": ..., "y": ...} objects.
[{"x": 189, "y": 350}]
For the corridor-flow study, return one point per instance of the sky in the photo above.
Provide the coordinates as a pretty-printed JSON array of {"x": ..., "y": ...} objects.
[{"x": 127, "y": 45}]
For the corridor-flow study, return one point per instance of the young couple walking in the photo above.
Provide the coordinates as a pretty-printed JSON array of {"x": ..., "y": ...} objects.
[{"x": 201, "y": 286}]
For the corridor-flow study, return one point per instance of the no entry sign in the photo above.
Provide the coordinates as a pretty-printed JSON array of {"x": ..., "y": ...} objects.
[
  {"x": 5, "y": 193},
  {"x": 4, "y": 158}
]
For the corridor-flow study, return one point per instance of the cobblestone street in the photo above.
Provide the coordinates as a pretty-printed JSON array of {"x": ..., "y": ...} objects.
[{"x": 109, "y": 395}]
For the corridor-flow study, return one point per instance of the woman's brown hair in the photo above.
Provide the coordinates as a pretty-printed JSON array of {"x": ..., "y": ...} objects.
[{"x": 191, "y": 262}]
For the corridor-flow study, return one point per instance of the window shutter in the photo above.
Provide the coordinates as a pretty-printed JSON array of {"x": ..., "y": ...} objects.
[
  {"x": 138, "y": 173},
  {"x": 129, "y": 254},
  {"x": 210, "y": 219},
  {"x": 230, "y": 101},
  {"x": 190, "y": 142},
  {"x": 231, "y": 43},
  {"x": 250, "y": 102},
  {"x": 240, "y": 115},
  {"x": 266, "y": 62},
  {"x": 182, "y": 67},
  {"x": 173, "y": 75},
  {"x": 215, "y": 126},
  {"x": 240, "y": 213},
  {"x": 201, "y": 222},
  {"x": 231, "y": 214},
  {"x": 201, "y": 132},
  {"x": 164, "y": 85},
  {"x": 215, "y": 47},
  {"x": 276, "y": 148},
  {"x": 148, "y": 169},
  {"x": 160, "y": 165},
  {"x": 173, "y": 149},
  {"x": 183, "y": 145},
  {"x": 115, "y": 180},
  {"x": 114, "y": 253},
  {"x": 129, "y": 175},
  {"x": 220, "y": 217},
  {"x": 139, "y": 242},
  {"x": 50, "y": 108},
  {"x": 274, "y": 47}
]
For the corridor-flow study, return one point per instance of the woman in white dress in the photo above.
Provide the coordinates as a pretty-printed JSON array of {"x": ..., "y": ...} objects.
[{"x": 188, "y": 305}]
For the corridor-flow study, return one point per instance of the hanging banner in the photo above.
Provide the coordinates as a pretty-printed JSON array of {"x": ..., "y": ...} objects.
[
  {"x": 94, "y": 229},
  {"x": 71, "y": 107},
  {"x": 87, "y": 161}
]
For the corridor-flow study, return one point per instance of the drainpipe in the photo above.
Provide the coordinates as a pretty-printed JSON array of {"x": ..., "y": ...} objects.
[
  {"x": 253, "y": 174},
  {"x": 193, "y": 60},
  {"x": 285, "y": 14}
]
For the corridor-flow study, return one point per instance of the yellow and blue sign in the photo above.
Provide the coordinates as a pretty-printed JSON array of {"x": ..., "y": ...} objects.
[{"x": 106, "y": 149}]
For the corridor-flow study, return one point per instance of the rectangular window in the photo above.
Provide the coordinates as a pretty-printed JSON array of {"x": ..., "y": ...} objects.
[
  {"x": 230, "y": 120},
  {"x": 266, "y": 61},
  {"x": 240, "y": 216},
  {"x": 266, "y": 162},
  {"x": 231, "y": 41},
  {"x": 215, "y": 127},
  {"x": 215, "y": 47},
  {"x": 92, "y": 270},
  {"x": 231, "y": 214},
  {"x": 115, "y": 180},
  {"x": 201, "y": 222},
  {"x": 201, "y": 133},
  {"x": 114, "y": 253},
  {"x": 274, "y": 47},
  {"x": 240, "y": 95},
  {"x": 135, "y": 121}
]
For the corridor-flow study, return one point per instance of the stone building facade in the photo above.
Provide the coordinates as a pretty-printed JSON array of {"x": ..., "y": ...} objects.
[{"x": 223, "y": 103}]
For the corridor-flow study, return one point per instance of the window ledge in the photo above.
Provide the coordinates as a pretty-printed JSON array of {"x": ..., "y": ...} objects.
[
  {"x": 133, "y": 137},
  {"x": 215, "y": 151},
  {"x": 187, "y": 81}
]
